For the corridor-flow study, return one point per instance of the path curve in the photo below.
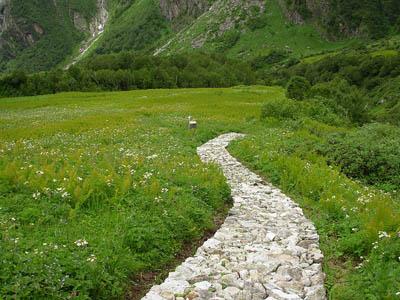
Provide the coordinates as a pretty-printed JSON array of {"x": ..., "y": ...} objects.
[{"x": 266, "y": 249}]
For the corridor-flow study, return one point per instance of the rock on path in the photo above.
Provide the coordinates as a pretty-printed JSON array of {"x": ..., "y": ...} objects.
[{"x": 266, "y": 249}]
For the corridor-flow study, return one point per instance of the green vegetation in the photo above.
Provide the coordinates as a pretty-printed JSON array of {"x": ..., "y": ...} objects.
[
  {"x": 372, "y": 18},
  {"x": 119, "y": 172},
  {"x": 359, "y": 225},
  {"x": 298, "y": 88},
  {"x": 255, "y": 33},
  {"x": 128, "y": 71},
  {"x": 134, "y": 25},
  {"x": 45, "y": 33}
]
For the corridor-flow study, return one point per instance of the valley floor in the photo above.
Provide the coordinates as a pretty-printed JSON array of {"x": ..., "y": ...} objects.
[{"x": 99, "y": 188}]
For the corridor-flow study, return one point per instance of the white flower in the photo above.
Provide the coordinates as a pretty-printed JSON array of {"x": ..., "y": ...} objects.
[
  {"x": 81, "y": 243},
  {"x": 36, "y": 195},
  {"x": 383, "y": 234},
  {"x": 40, "y": 173},
  {"x": 80, "y": 178},
  {"x": 92, "y": 258},
  {"x": 152, "y": 156}
]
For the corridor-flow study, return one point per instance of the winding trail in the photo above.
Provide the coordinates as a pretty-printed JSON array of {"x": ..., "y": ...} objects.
[{"x": 266, "y": 249}]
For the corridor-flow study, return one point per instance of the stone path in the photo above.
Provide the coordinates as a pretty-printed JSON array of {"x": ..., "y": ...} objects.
[{"x": 266, "y": 249}]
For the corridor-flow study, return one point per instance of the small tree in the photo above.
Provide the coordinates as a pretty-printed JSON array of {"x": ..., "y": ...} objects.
[{"x": 298, "y": 88}]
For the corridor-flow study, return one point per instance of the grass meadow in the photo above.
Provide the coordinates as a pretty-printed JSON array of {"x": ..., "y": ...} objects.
[{"x": 98, "y": 188}]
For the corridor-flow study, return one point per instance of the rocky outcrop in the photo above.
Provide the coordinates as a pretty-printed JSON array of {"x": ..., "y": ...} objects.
[
  {"x": 172, "y": 9},
  {"x": 94, "y": 26},
  {"x": 310, "y": 9}
]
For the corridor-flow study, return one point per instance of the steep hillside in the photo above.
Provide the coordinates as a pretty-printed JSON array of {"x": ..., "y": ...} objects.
[
  {"x": 247, "y": 29},
  {"x": 344, "y": 18},
  {"x": 37, "y": 36}
]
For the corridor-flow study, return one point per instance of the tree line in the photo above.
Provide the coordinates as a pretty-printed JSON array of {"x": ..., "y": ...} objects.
[{"x": 129, "y": 71}]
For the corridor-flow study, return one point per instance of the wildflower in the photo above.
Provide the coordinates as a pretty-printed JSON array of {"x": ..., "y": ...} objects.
[
  {"x": 80, "y": 178},
  {"x": 81, "y": 243},
  {"x": 359, "y": 266},
  {"x": 92, "y": 258},
  {"x": 65, "y": 195},
  {"x": 354, "y": 229},
  {"x": 36, "y": 195},
  {"x": 40, "y": 173},
  {"x": 164, "y": 190},
  {"x": 383, "y": 234}
]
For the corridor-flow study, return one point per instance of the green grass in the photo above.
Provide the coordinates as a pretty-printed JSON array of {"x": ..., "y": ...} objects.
[
  {"x": 120, "y": 171},
  {"x": 359, "y": 226}
]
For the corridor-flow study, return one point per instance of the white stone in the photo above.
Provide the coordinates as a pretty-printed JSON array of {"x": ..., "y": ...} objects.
[{"x": 266, "y": 248}]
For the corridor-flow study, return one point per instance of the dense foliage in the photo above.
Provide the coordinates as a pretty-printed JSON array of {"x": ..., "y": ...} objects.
[
  {"x": 365, "y": 83},
  {"x": 339, "y": 18},
  {"x": 133, "y": 25},
  {"x": 371, "y": 154},
  {"x": 43, "y": 34},
  {"x": 298, "y": 88},
  {"x": 128, "y": 71}
]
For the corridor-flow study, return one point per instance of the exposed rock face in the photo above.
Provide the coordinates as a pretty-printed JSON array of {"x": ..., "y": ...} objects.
[
  {"x": 4, "y": 11},
  {"x": 96, "y": 25},
  {"x": 19, "y": 32},
  {"x": 173, "y": 9},
  {"x": 316, "y": 9},
  {"x": 266, "y": 249}
]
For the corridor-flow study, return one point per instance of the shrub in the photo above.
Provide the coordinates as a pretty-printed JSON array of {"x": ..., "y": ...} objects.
[
  {"x": 281, "y": 109},
  {"x": 371, "y": 154},
  {"x": 298, "y": 88},
  {"x": 286, "y": 109},
  {"x": 346, "y": 99}
]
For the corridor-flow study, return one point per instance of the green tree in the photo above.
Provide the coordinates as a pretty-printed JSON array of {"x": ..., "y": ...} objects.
[{"x": 298, "y": 88}]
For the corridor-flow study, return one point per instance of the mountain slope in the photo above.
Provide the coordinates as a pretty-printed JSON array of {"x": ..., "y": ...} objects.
[
  {"x": 248, "y": 29},
  {"x": 38, "y": 36}
]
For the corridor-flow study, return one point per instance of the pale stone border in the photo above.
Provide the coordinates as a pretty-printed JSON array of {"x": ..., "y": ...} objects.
[{"x": 266, "y": 248}]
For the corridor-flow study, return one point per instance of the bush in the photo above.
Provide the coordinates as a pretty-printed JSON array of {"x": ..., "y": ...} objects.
[
  {"x": 298, "y": 88},
  {"x": 281, "y": 109},
  {"x": 346, "y": 99},
  {"x": 371, "y": 154},
  {"x": 286, "y": 109}
]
